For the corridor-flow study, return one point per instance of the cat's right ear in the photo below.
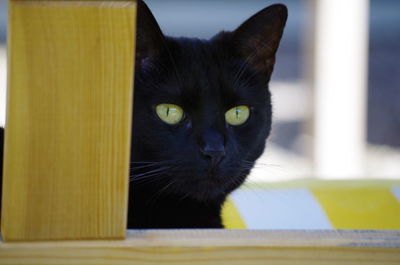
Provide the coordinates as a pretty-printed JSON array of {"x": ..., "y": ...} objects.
[
  {"x": 149, "y": 37},
  {"x": 257, "y": 39}
]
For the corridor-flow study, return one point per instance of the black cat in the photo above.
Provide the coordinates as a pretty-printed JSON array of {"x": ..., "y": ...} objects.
[{"x": 202, "y": 114}]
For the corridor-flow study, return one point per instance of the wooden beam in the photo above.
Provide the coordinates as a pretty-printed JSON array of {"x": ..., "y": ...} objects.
[
  {"x": 230, "y": 247},
  {"x": 69, "y": 109}
]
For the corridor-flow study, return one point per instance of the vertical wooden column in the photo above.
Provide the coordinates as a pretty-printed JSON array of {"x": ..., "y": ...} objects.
[{"x": 69, "y": 108}]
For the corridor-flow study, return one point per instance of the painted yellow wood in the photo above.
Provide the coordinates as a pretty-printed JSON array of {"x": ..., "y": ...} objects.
[
  {"x": 68, "y": 123},
  {"x": 216, "y": 247},
  {"x": 364, "y": 207}
]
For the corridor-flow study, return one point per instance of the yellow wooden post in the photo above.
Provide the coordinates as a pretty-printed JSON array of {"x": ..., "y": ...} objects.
[{"x": 68, "y": 126}]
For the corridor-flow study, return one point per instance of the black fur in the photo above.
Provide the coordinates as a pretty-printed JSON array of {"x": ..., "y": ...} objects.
[
  {"x": 183, "y": 187},
  {"x": 181, "y": 174}
]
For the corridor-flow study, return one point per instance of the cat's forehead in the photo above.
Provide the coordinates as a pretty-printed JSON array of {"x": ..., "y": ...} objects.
[
  {"x": 201, "y": 65},
  {"x": 199, "y": 54},
  {"x": 197, "y": 73}
]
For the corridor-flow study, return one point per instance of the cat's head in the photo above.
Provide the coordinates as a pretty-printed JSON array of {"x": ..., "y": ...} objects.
[{"x": 202, "y": 109}]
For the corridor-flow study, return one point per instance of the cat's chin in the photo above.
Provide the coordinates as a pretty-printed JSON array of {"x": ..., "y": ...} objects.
[
  {"x": 207, "y": 195},
  {"x": 210, "y": 188}
]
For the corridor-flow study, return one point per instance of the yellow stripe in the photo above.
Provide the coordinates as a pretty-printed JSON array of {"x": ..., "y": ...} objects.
[
  {"x": 231, "y": 216},
  {"x": 359, "y": 208}
]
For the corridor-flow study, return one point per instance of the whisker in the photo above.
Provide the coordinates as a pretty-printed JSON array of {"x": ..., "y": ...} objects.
[
  {"x": 151, "y": 171},
  {"x": 148, "y": 162},
  {"x": 158, "y": 194},
  {"x": 149, "y": 177}
]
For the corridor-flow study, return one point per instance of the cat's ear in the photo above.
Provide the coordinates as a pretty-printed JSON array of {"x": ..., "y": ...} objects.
[
  {"x": 149, "y": 38},
  {"x": 257, "y": 39}
]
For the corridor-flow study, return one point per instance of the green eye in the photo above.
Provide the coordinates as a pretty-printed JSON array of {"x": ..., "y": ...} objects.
[
  {"x": 237, "y": 115},
  {"x": 169, "y": 113}
]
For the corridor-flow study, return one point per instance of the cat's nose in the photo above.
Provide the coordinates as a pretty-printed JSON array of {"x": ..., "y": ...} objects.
[
  {"x": 215, "y": 156},
  {"x": 213, "y": 147}
]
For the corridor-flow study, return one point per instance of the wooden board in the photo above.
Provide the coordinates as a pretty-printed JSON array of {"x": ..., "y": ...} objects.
[
  {"x": 68, "y": 126},
  {"x": 216, "y": 247}
]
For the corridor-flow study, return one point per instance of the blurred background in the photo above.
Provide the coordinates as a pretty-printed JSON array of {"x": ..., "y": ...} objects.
[{"x": 295, "y": 147}]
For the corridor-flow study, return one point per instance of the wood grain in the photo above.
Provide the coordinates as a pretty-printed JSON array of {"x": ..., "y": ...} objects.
[
  {"x": 68, "y": 123},
  {"x": 222, "y": 247}
]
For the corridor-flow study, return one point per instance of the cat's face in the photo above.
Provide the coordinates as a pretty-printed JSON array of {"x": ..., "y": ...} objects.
[{"x": 202, "y": 109}]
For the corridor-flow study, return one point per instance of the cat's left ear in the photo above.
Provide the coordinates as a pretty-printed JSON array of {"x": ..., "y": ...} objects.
[
  {"x": 149, "y": 37},
  {"x": 257, "y": 39}
]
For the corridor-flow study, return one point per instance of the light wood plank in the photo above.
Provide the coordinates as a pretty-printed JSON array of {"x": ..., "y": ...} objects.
[
  {"x": 241, "y": 247},
  {"x": 68, "y": 126}
]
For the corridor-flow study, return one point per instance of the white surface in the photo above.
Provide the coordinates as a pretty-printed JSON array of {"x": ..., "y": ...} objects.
[
  {"x": 340, "y": 87},
  {"x": 291, "y": 101},
  {"x": 278, "y": 164},
  {"x": 280, "y": 209}
]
